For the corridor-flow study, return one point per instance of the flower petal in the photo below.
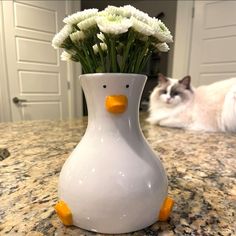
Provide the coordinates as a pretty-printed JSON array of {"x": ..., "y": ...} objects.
[
  {"x": 162, "y": 47},
  {"x": 87, "y": 23},
  {"x": 102, "y": 45},
  {"x": 162, "y": 33},
  {"x": 113, "y": 24},
  {"x": 80, "y": 16},
  {"x": 61, "y": 36},
  {"x": 140, "y": 15},
  {"x": 141, "y": 27},
  {"x": 77, "y": 36},
  {"x": 65, "y": 56}
]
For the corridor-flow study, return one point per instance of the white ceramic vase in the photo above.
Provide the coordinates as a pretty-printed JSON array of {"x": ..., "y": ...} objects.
[{"x": 112, "y": 182}]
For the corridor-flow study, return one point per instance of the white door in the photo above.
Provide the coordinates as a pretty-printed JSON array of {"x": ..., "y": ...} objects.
[
  {"x": 37, "y": 77},
  {"x": 213, "y": 54}
]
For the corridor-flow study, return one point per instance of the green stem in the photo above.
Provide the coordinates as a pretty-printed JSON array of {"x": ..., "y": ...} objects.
[
  {"x": 81, "y": 59},
  {"x": 101, "y": 57},
  {"x": 91, "y": 52},
  {"x": 89, "y": 62},
  {"x": 144, "y": 61},
  {"x": 130, "y": 63},
  {"x": 107, "y": 41},
  {"x": 141, "y": 56},
  {"x": 113, "y": 56},
  {"x": 83, "y": 63},
  {"x": 129, "y": 68},
  {"x": 127, "y": 48}
]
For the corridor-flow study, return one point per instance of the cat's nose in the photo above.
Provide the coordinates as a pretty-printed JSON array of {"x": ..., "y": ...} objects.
[{"x": 116, "y": 103}]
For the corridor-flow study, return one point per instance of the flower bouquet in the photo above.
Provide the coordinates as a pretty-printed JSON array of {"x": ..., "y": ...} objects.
[{"x": 117, "y": 39}]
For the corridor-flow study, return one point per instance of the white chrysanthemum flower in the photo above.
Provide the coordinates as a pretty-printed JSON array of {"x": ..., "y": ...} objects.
[
  {"x": 116, "y": 11},
  {"x": 87, "y": 23},
  {"x": 101, "y": 36},
  {"x": 80, "y": 16},
  {"x": 65, "y": 56},
  {"x": 113, "y": 24},
  {"x": 61, "y": 36},
  {"x": 162, "y": 47},
  {"x": 141, "y": 27},
  {"x": 77, "y": 36},
  {"x": 102, "y": 45},
  {"x": 162, "y": 33},
  {"x": 132, "y": 11}
]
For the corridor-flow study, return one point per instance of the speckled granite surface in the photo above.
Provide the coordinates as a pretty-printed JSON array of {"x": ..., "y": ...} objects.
[{"x": 201, "y": 169}]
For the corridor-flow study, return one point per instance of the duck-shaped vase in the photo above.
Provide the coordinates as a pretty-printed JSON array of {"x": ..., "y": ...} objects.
[{"x": 113, "y": 182}]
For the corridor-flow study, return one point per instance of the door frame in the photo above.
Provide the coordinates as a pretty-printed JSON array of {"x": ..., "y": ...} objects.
[
  {"x": 5, "y": 109},
  {"x": 74, "y": 92},
  {"x": 183, "y": 38},
  {"x": 75, "y": 98}
]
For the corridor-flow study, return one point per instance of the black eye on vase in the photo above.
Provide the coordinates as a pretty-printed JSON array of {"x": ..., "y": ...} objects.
[
  {"x": 104, "y": 86},
  {"x": 127, "y": 86}
]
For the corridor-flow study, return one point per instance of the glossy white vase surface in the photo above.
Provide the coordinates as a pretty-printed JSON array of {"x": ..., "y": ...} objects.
[{"x": 113, "y": 182}]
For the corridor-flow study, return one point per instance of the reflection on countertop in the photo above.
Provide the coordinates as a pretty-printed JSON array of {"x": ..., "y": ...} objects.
[{"x": 201, "y": 169}]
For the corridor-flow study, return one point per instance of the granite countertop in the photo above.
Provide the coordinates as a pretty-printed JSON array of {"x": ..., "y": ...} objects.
[{"x": 201, "y": 169}]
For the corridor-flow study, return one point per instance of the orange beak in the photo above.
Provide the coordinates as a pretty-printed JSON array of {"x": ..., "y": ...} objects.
[{"x": 116, "y": 103}]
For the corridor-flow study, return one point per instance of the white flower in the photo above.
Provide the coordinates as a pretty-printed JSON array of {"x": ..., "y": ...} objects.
[
  {"x": 113, "y": 24},
  {"x": 162, "y": 47},
  {"x": 102, "y": 45},
  {"x": 115, "y": 11},
  {"x": 141, "y": 27},
  {"x": 61, "y": 36},
  {"x": 132, "y": 11},
  {"x": 101, "y": 36},
  {"x": 162, "y": 33},
  {"x": 80, "y": 16},
  {"x": 77, "y": 36},
  {"x": 65, "y": 56},
  {"x": 87, "y": 23}
]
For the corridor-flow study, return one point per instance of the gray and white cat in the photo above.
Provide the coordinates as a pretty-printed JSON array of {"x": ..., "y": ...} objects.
[{"x": 175, "y": 103}]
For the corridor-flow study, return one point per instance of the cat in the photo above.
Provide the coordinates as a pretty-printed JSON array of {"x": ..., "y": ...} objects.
[{"x": 212, "y": 108}]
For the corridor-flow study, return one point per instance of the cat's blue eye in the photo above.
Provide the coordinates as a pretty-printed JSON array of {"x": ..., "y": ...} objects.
[
  {"x": 175, "y": 93},
  {"x": 163, "y": 91}
]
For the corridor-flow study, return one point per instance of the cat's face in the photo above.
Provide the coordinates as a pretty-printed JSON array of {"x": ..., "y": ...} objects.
[{"x": 173, "y": 92}]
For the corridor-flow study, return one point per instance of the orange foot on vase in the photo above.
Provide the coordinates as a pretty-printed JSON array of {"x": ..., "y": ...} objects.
[
  {"x": 166, "y": 209},
  {"x": 64, "y": 213}
]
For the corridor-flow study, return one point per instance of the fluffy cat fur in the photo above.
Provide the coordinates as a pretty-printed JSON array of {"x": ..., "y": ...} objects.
[{"x": 175, "y": 103}]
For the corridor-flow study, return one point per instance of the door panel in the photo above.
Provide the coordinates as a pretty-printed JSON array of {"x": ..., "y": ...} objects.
[
  {"x": 218, "y": 50},
  {"x": 26, "y": 45},
  {"x": 44, "y": 20},
  {"x": 35, "y": 71},
  {"x": 213, "y": 55},
  {"x": 39, "y": 83},
  {"x": 214, "y": 14}
]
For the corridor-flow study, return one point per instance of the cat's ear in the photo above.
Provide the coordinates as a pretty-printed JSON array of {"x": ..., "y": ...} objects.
[
  {"x": 186, "y": 81},
  {"x": 162, "y": 79}
]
